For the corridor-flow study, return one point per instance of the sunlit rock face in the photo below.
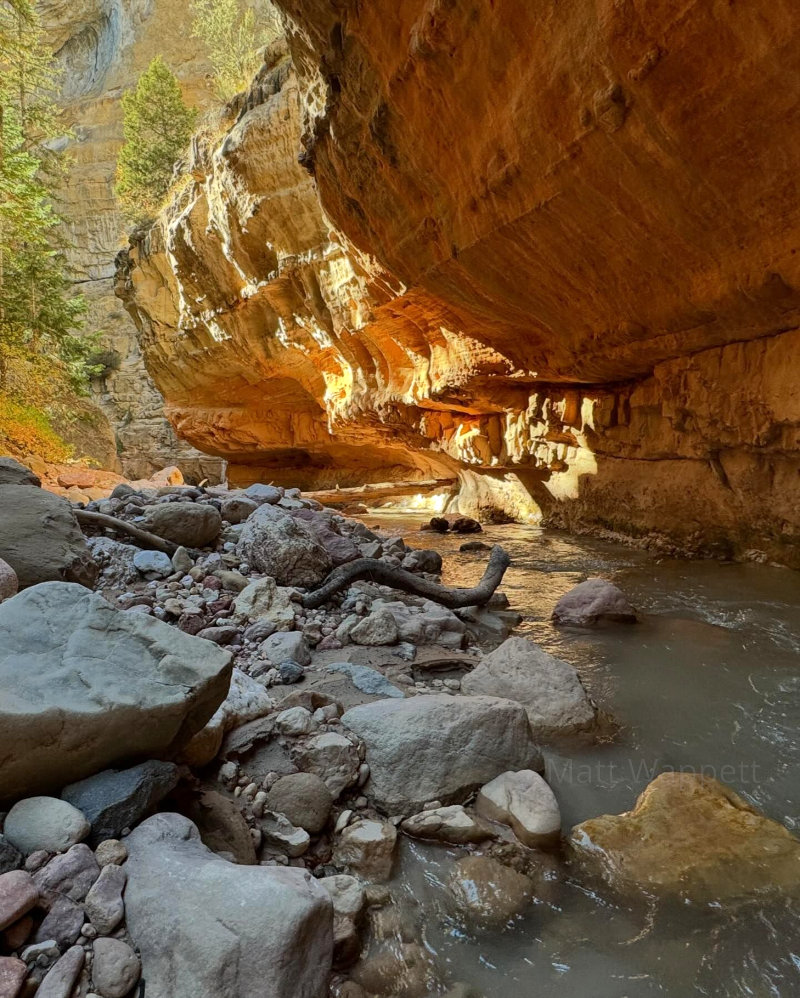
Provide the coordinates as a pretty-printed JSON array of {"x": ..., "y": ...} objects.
[
  {"x": 554, "y": 246},
  {"x": 101, "y": 48}
]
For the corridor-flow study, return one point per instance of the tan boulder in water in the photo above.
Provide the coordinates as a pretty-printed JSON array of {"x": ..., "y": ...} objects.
[
  {"x": 691, "y": 835},
  {"x": 488, "y": 892}
]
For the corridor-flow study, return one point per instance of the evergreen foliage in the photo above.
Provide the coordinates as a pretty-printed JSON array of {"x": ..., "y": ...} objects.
[
  {"x": 38, "y": 311},
  {"x": 157, "y": 126},
  {"x": 234, "y": 41}
]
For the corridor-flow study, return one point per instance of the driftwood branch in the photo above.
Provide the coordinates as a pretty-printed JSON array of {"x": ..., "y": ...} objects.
[
  {"x": 378, "y": 492},
  {"x": 144, "y": 537},
  {"x": 377, "y": 571}
]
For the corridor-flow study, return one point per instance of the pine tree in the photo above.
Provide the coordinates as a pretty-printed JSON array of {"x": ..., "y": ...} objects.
[
  {"x": 235, "y": 45},
  {"x": 157, "y": 125},
  {"x": 38, "y": 310}
]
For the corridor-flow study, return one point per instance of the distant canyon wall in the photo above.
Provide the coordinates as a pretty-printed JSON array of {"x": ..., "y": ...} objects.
[
  {"x": 101, "y": 47},
  {"x": 552, "y": 248}
]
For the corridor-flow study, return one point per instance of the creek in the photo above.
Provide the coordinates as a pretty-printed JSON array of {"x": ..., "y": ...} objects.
[{"x": 708, "y": 680}]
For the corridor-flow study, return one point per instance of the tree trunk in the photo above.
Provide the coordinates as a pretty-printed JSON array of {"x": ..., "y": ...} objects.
[{"x": 144, "y": 537}]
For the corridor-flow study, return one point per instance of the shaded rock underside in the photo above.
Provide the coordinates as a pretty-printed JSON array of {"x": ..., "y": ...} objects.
[{"x": 555, "y": 246}]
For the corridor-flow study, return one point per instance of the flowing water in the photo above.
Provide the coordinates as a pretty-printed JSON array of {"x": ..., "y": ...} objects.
[{"x": 708, "y": 680}]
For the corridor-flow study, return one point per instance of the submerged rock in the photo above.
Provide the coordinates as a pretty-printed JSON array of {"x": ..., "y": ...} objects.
[
  {"x": 487, "y": 891},
  {"x": 266, "y": 932},
  {"x": 549, "y": 689},
  {"x": 40, "y": 538},
  {"x": 594, "y": 601},
  {"x": 439, "y": 747},
  {"x": 83, "y": 686},
  {"x": 693, "y": 836}
]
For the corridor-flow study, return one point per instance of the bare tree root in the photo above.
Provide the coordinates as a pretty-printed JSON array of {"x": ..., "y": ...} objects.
[
  {"x": 144, "y": 537},
  {"x": 377, "y": 571}
]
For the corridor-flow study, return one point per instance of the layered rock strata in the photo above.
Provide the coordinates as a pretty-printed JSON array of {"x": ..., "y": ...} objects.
[
  {"x": 555, "y": 248},
  {"x": 101, "y": 47}
]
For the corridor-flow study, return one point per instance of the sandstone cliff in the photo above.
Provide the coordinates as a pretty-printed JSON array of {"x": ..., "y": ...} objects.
[
  {"x": 102, "y": 46},
  {"x": 551, "y": 245}
]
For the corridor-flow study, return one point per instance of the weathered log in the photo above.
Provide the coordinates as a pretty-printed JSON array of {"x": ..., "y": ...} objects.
[
  {"x": 373, "y": 570},
  {"x": 379, "y": 491},
  {"x": 144, "y": 537}
]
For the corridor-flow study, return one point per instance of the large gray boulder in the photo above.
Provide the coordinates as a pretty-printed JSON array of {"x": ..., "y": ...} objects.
[
  {"x": 190, "y": 524},
  {"x": 549, "y": 689},
  {"x": 278, "y": 544},
  {"x": 84, "y": 686},
  {"x": 439, "y": 747},
  {"x": 14, "y": 473},
  {"x": 204, "y": 926},
  {"x": 40, "y": 538}
]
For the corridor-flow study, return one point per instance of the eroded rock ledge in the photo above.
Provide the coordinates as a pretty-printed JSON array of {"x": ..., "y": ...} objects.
[{"x": 555, "y": 248}]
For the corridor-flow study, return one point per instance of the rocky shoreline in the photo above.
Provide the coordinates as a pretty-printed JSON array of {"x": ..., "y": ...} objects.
[{"x": 204, "y": 783}]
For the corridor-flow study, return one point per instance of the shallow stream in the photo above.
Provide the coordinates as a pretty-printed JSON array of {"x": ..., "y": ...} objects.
[{"x": 708, "y": 680}]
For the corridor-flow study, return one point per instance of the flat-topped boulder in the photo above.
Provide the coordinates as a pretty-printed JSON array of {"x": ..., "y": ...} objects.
[
  {"x": 549, "y": 689},
  {"x": 439, "y": 747},
  {"x": 204, "y": 926},
  {"x": 690, "y": 835},
  {"x": 40, "y": 538},
  {"x": 84, "y": 686}
]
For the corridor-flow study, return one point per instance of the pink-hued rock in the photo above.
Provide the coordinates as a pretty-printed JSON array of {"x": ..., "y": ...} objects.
[
  {"x": 12, "y": 975},
  {"x": 9, "y": 583},
  {"x": 18, "y": 894}
]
